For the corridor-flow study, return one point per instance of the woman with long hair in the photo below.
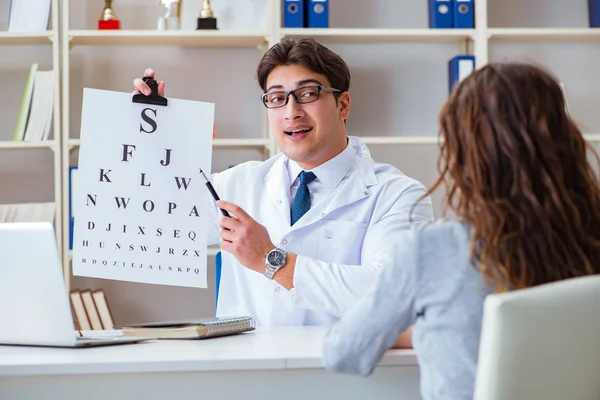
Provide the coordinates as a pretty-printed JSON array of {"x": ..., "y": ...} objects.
[{"x": 527, "y": 205}]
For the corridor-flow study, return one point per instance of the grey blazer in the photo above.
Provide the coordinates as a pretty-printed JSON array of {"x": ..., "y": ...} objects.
[{"x": 429, "y": 282}]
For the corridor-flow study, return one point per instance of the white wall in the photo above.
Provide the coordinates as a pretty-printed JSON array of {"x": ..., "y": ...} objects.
[{"x": 397, "y": 90}]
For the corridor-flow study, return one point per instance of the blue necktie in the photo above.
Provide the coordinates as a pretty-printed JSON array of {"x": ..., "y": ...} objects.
[{"x": 302, "y": 198}]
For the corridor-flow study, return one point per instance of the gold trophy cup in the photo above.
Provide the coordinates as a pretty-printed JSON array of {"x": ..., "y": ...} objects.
[
  {"x": 206, "y": 19},
  {"x": 108, "y": 19}
]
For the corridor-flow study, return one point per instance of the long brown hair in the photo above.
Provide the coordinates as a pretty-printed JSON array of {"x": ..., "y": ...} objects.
[{"x": 515, "y": 168}]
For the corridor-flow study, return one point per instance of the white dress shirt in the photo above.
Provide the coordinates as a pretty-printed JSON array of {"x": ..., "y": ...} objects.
[
  {"x": 328, "y": 175},
  {"x": 358, "y": 207}
]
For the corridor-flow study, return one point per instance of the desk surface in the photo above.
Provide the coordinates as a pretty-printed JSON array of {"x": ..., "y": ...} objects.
[{"x": 263, "y": 349}]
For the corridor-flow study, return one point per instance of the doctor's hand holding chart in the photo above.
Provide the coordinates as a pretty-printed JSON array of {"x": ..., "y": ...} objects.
[
  {"x": 310, "y": 227},
  {"x": 140, "y": 207}
]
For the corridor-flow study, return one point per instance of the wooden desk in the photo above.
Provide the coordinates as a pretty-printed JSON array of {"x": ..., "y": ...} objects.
[{"x": 280, "y": 363}]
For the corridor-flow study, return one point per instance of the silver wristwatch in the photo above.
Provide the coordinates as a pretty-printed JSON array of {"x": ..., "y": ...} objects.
[{"x": 275, "y": 259}]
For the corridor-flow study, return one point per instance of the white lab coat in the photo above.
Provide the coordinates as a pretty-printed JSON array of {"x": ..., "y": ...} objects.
[{"x": 340, "y": 241}]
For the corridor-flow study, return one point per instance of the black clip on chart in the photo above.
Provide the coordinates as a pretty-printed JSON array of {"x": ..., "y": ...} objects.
[{"x": 153, "y": 97}]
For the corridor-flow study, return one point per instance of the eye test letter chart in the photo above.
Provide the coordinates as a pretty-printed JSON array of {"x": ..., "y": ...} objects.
[{"x": 140, "y": 203}]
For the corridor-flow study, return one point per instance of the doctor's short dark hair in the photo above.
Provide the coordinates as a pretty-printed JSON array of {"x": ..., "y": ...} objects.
[{"x": 307, "y": 53}]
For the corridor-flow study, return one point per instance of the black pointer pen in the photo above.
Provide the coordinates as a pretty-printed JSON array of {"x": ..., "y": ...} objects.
[{"x": 211, "y": 189}]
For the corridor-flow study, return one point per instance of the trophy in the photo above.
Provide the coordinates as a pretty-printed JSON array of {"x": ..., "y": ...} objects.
[
  {"x": 171, "y": 17},
  {"x": 108, "y": 19},
  {"x": 206, "y": 19}
]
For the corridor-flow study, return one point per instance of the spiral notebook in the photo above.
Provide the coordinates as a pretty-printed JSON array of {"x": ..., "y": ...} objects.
[{"x": 191, "y": 329}]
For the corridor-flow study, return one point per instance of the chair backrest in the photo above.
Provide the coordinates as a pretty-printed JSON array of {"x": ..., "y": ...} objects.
[{"x": 541, "y": 343}]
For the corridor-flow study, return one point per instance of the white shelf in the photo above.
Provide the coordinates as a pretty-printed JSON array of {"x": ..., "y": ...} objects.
[
  {"x": 368, "y": 140},
  {"x": 344, "y": 35},
  {"x": 422, "y": 140},
  {"x": 166, "y": 38},
  {"x": 16, "y": 145},
  {"x": 26, "y": 38},
  {"x": 260, "y": 143},
  {"x": 537, "y": 34},
  {"x": 229, "y": 143},
  {"x": 383, "y": 140}
]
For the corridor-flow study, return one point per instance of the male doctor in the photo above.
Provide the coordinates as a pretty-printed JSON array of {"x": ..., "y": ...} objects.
[{"x": 310, "y": 225}]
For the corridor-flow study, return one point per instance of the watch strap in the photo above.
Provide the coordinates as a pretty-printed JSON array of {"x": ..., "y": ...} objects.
[{"x": 271, "y": 269}]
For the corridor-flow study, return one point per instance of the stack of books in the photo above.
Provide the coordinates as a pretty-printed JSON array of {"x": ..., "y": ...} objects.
[
  {"x": 35, "y": 116},
  {"x": 91, "y": 310}
]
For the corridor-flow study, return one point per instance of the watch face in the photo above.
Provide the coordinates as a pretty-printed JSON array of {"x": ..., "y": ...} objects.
[{"x": 276, "y": 258}]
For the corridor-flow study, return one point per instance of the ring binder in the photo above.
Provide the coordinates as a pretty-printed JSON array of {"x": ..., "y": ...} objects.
[
  {"x": 225, "y": 326},
  {"x": 153, "y": 97}
]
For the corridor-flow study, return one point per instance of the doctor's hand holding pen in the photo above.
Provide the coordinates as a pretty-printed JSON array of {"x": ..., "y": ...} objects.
[
  {"x": 244, "y": 237},
  {"x": 240, "y": 234}
]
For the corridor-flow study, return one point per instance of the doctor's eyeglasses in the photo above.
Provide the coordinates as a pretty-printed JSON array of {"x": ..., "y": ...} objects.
[{"x": 302, "y": 95}]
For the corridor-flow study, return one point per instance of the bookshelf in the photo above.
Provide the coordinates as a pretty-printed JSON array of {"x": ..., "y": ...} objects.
[
  {"x": 399, "y": 82},
  {"x": 30, "y": 171}
]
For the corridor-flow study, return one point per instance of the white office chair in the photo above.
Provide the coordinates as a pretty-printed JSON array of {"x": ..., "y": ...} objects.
[{"x": 541, "y": 343}]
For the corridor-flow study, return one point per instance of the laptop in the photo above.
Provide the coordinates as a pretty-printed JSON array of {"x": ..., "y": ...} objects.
[{"x": 34, "y": 302}]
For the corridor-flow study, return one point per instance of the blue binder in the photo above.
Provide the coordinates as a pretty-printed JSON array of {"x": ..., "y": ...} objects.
[
  {"x": 218, "y": 267},
  {"x": 72, "y": 171},
  {"x": 440, "y": 14},
  {"x": 293, "y": 14},
  {"x": 464, "y": 15},
  {"x": 594, "y": 13},
  {"x": 318, "y": 13},
  {"x": 458, "y": 69}
]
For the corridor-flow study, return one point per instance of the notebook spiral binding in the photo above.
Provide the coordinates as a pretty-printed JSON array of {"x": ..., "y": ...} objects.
[{"x": 227, "y": 326}]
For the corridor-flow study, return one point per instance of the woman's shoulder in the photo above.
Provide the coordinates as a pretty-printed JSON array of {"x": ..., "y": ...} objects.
[
  {"x": 427, "y": 241},
  {"x": 443, "y": 230},
  {"x": 444, "y": 258}
]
